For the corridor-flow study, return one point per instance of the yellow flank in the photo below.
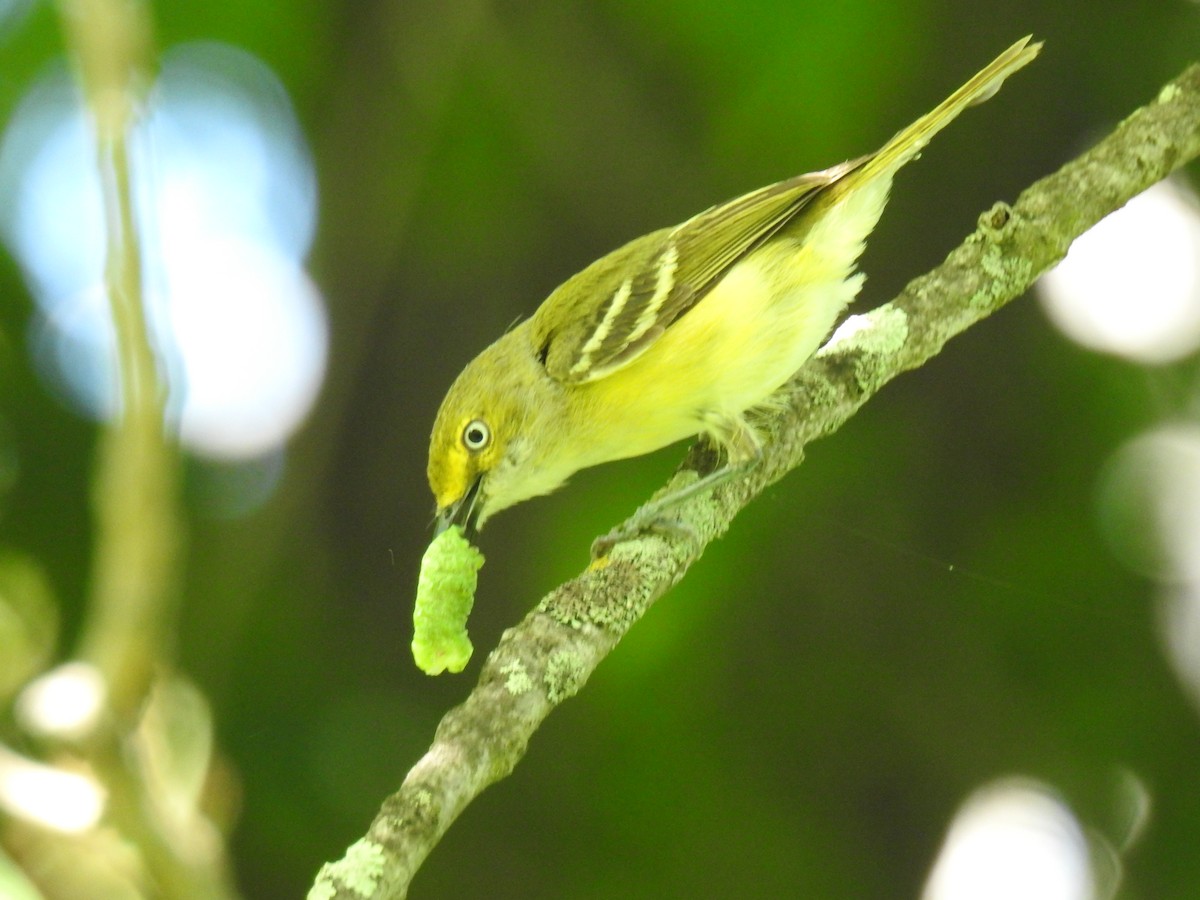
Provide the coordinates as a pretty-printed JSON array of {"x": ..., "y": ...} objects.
[{"x": 678, "y": 332}]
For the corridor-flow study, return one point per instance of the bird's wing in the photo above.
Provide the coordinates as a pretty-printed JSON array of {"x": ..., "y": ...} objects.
[{"x": 613, "y": 311}]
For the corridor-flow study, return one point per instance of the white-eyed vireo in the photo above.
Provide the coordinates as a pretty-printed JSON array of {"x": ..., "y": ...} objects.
[{"x": 678, "y": 332}]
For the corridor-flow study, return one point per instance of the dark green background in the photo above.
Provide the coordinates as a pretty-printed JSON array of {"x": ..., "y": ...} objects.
[{"x": 924, "y": 606}]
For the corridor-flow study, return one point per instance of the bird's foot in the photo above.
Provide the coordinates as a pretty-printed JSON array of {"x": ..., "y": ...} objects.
[{"x": 649, "y": 519}]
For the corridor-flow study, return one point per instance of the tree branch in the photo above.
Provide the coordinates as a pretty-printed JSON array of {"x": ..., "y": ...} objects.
[{"x": 550, "y": 655}]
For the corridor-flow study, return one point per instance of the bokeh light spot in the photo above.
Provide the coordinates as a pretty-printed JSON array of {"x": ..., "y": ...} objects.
[
  {"x": 1179, "y": 629},
  {"x": 277, "y": 347},
  {"x": 1012, "y": 839},
  {"x": 1149, "y": 503},
  {"x": 1131, "y": 285},
  {"x": 227, "y": 205},
  {"x": 1149, "y": 508},
  {"x": 64, "y": 703},
  {"x": 52, "y": 797}
]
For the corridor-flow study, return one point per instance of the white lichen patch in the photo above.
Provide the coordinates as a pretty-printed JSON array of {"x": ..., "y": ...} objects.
[
  {"x": 358, "y": 872},
  {"x": 518, "y": 681},
  {"x": 882, "y": 331}
]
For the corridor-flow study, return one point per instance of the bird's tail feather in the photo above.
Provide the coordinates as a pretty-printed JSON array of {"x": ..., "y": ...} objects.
[{"x": 910, "y": 141}]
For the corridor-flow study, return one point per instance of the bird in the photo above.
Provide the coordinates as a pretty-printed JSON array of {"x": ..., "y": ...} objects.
[{"x": 680, "y": 332}]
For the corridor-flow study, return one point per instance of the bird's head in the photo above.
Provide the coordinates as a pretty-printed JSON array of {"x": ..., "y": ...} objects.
[{"x": 494, "y": 435}]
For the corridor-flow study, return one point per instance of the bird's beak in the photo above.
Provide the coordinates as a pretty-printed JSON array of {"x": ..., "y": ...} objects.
[{"x": 464, "y": 512}]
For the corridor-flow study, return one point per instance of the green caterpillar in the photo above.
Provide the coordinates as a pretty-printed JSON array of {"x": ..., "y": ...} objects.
[{"x": 445, "y": 595}]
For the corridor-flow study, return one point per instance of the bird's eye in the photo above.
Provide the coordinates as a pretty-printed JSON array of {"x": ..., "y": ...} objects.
[{"x": 476, "y": 436}]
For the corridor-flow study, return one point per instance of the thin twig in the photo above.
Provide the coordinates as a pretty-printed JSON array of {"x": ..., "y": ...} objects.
[
  {"x": 548, "y": 657},
  {"x": 128, "y": 633},
  {"x": 137, "y": 523}
]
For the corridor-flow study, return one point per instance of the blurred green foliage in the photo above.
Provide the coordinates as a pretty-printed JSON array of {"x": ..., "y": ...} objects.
[{"x": 925, "y": 606}]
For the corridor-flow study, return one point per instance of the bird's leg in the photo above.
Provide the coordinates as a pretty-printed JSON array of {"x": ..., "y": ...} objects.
[{"x": 743, "y": 450}]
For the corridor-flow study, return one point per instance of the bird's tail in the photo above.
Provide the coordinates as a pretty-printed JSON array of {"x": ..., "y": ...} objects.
[{"x": 912, "y": 140}]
